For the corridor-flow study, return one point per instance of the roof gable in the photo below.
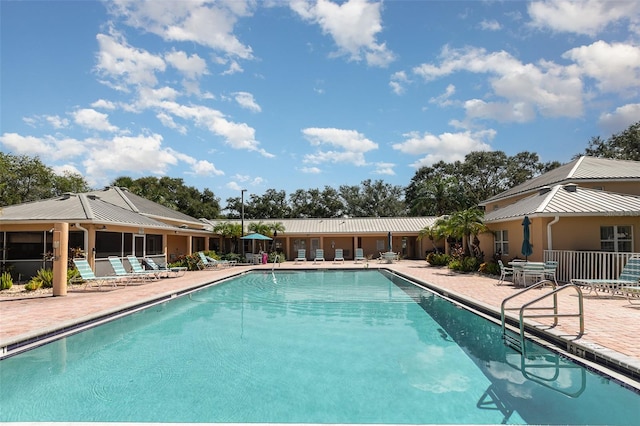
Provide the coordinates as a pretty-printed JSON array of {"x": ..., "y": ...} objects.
[
  {"x": 568, "y": 200},
  {"x": 133, "y": 202},
  {"x": 77, "y": 208},
  {"x": 583, "y": 169}
]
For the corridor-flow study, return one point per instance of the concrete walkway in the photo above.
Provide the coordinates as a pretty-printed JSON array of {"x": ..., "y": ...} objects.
[{"x": 612, "y": 330}]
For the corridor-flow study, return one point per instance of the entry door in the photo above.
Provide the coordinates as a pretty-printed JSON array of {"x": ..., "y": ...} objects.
[
  {"x": 138, "y": 245},
  {"x": 315, "y": 244}
]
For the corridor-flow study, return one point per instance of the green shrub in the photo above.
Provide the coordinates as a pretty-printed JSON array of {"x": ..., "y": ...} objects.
[
  {"x": 490, "y": 268},
  {"x": 72, "y": 275},
  {"x": 190, "y": 262},
  {"x": 6, "y": 282},
  {"x": 272, "y": 257},
  {"x": 33, "y": 285},
  {"x": 438, "y": 259},
  {"x": 465, "y": 264},
  {"x": 232, "y": 256},
  {"x": 44, "y": 279}
]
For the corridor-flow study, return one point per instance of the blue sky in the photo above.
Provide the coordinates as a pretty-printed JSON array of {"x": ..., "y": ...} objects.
[{"x": 232, "y": 95}]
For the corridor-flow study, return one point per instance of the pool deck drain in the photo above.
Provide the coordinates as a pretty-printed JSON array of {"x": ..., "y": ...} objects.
[{"x": 611, "y": 335}]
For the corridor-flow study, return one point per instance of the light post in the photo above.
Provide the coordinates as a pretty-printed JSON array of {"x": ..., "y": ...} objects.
[{"x": 242, "y": 218}]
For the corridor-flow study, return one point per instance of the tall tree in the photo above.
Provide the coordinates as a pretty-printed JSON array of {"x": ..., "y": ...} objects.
[
  {"x": 24, "y": 179},
  {"x": 272, "y": 204},
  {"x": 621, "y": 146},
  {"x": 173, "y": 193}
]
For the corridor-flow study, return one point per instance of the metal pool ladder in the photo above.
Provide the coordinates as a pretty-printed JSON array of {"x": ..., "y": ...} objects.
[{"x": 518, "y": 342}]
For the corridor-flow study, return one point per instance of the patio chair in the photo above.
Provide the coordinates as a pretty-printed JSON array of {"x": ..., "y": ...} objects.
[
  {"x": 206, "y": 262},
  {"x": 302, "y": 256},
  {"x": 505, "y": 271},
  {"x": 169, "y": 271},
  {"x": 533, "y": 270},
  {"x": 87, "y": 275},
  {"x": 550, "y": 268},
  {"x": 137, "y": 268},
  {"x": 121, "y": 272},
  {"x": 629, "y": 277},
  {"x": 338, "y": 256},
  {"x": 319, "y": 255},
  {"x": 359, "y": 255}
]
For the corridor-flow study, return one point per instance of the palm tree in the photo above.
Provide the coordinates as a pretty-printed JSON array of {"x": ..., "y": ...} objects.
[
  {"x": 433, "y": 233},
  {"x": 275, "y": 227},
  {"x": 229, "y": 230},
  {"x": 466, "y": 224}
]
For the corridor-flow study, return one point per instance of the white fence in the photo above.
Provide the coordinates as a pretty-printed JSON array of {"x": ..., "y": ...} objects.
[{"x": 588, "y": 264}]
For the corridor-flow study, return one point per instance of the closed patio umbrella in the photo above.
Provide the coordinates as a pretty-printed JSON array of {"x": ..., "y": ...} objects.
[{"x": 527, "y": 248}]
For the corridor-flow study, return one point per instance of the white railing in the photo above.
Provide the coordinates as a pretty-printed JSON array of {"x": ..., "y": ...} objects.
[{"x": 587, "y": 264}]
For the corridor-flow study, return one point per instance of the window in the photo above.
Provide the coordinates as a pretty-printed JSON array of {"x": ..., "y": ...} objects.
[
  {"x": 25, "y": 245},
  {"x": 108, "y": 244},
  {"x": 616, "y": 238},
  {"x": 501, "y": 242},
  {"x": 197, "y": 244},
  {"x": 154, "y": 244}
]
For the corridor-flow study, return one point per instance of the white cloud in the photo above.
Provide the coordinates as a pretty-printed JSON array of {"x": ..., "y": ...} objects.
[
  {"x": 66, "y": 168},
  {"x": 352, "y": 144},
  {"x": 448, "y": 147},
  {"x": 236, "y": 135},
  {"x": 615, "y": 67},
  {"x": 243, "y": 181},
  {"x": 620, "y": 119},
  {"x": 94, "y": 120},
  {"x": 547, "y": 88},
  {"x": 384, "y": 169},
  {"x": 246, "y": 100},
  {"x": 123, "y": 65},
  {"x": 398, "y": 80},
  {"x": 205, "y": 168},
  {"x": 444, "y": 99},
  {"x": 104, "y": 104},
  {"x": 353, "y": 25},
  {"x": 57, "y": 122},
  {"x": 490, "y": 25},
  {"x": 587, "y": 17},
  {"x": 193, "y": 67},
  {"x": 206, "y": 23},
  {"x": 47, "y": 146},
  {"x": 142, "y": 154},
  {"x": 311, "y": 170}
]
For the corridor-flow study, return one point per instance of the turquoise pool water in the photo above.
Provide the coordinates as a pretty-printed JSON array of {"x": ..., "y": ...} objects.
[{"x": 304, "y": 347}]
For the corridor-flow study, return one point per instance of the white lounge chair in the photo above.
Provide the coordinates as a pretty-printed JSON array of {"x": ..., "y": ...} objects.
[
  {"x": 302, "y": 256},
  {"x": 629, "y": 277},
  {"x": 169, "y": 271},
  {"x": 87, "y": 275},
  {"x": 338, "y": 256},
  {"x": 206, "y": 262},
  {"x": 121, "y": 272},
  {"x": 137, "y": 268},
  {"x": 359, "y": 256},
  {"x": 319, "y": 256}
]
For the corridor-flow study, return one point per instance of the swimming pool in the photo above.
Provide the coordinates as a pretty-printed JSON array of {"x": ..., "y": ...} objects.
[{"x": 304, "y": 347}]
